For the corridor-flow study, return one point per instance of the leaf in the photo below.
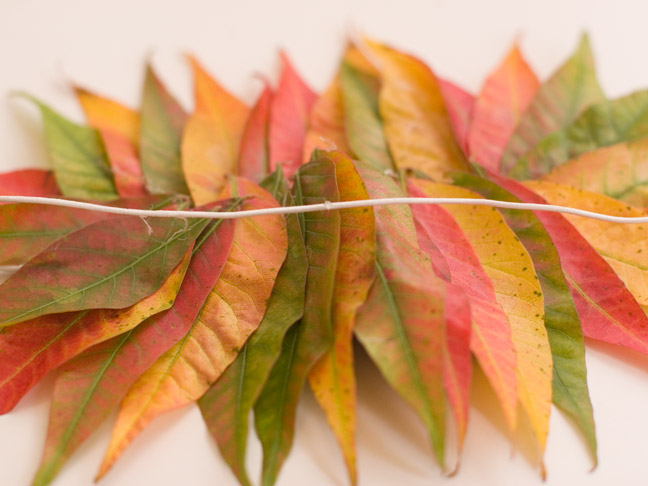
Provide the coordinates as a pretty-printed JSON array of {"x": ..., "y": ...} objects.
[
  {"x": 226, "y": 405},
  {"x": 28, "y": 229},
  {"x": 619, "y": 171},
  {"x": 253, "y": 160},
  {"x": 498, "y": 107},
  {"x": 28, "y": 351},
  {"x": 491, "y": 337},
  {"x": 608, "y": 312},
  {"x": 312, "y": 336},
  {"x": 78, "y": 157},
  {"x": 331, "y": 378},
  {"x": 108, "y": 264},
  {"x": 289, "y": 114},
  {"x": 29, "y": 182},
  {"x": 91, "y": 386},
  {"x": 603, "y": 124},
  {"x": 622, "y": 246},
  {"x": 162, "y": 121},
  {"x": 510, "y": 269},
  {"x": 569, "y": 386},
  {"x": 212, "y": 137},
  {"x": 360, "y": 87},
  {"x": 571, "y": 89},
  {"x": 326, "y": 122},
  {"x": 401, "y": 324},
  {"x": 232, "y": 311},
  {"x": 459, "y": 104},
  {"x": 457, "y": 360},
  {"x": 118, "y": 127},
  {"x": 415, "y": 118}
]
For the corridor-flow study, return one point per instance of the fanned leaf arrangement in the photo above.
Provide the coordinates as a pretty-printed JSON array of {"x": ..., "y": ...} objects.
[{"x": 144, "y": 316}]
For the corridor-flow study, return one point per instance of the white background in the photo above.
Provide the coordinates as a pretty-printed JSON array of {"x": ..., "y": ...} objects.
[{"x": 103, "y": 45}]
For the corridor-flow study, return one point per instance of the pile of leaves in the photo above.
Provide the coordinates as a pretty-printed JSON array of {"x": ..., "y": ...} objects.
[{"x": 149, "y": 315}]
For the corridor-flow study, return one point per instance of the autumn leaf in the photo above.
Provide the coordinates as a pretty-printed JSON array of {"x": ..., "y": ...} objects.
[
  {"x": 608, "y": 312},
  {"x": 490, "y": 339},
  {"x": 306, "y": 341},
  {"x": 29, "y": 182},
  {"x": 619, "y": 171},
  {"x": 211, "y": 139},
  {"x": 130, "y": 260},
  {"x": 570, "y": 391},
  {"x": 89, "y": 387},
  {"x": 459, "y": 104},
  {"x": 622, "y": 246},
  {"x": 162, "y": 121},
  {"x": 78, "y": 157},
  {"x": 118, "y": 127},
  {"x": 231, "y": 312},
  {"x": 332, "y": 379},
  {"x": 505, "y": 96},
  {"x": 28, "y": 351},
  {"x": 226, "y": 405},
  {"x": 415, "y": 118},
  {"x": 401, "y": 325},
  {"x": 289, "y": 114},
  {"x": 326, "y": 122},
  {"x": 571, "y": 89},
  {"x": 254, "y": 163}
]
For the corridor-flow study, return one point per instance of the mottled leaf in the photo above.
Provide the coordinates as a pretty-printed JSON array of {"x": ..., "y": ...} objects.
[
  {"x": 162, "y": 121},
  {"x": 253, "y": 160},
  {"x": 332, "y": 379},
  {"x": 570, "y": 392},
  {"x": 622, "y": 246},
  {"x": 603, "y": 124},
  {"x": 211, "y": 139},
  {"x": 401, "y": 324},
  {"x": 227, "y": 404},
  {"x": 118, "y": 127},
  {"x": 312, "y": 336},
  {"x": 619, "y": 171},
  {"x": 571, "y": 89},
  {"x": 78, "y": 157},
  {"x": 505, "y": 96},
  {"x": 491, "y": 339},
  {"x": 415, "y": 118},
  {"x": 607, "y": 310},
  {"x": 289, "y": 114}
]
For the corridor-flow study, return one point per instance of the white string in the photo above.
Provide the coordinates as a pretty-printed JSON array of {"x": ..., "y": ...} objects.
[{"x": 325, "y": 206}]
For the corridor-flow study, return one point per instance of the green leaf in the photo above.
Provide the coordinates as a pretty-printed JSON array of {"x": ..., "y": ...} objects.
[
  {"x": 307, "y": 340},
  {"x": 162, "y": 122},
  {"x": 227, "y": 404},
  {"x": 571, "y": 89},
  {"x": 80, "y": 164},
  {"x": 603, "y": 124},
  {"x": 364, "y": 130}
]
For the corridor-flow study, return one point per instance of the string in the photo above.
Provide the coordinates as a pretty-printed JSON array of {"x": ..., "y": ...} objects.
[{"x": 325, "y": 206}]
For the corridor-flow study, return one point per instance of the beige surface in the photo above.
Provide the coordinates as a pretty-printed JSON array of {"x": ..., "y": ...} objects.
[{"x": 103, "y": 45}]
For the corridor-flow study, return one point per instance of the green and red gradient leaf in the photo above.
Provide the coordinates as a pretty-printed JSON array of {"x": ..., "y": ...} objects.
[{"x": 254, "y": 157}]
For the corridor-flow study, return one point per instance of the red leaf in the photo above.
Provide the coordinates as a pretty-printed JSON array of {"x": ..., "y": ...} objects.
[
  {"x": 29, "y": 182},
  {"x": 253, "y": 153},
  {"x": 459, "y": 104}
]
